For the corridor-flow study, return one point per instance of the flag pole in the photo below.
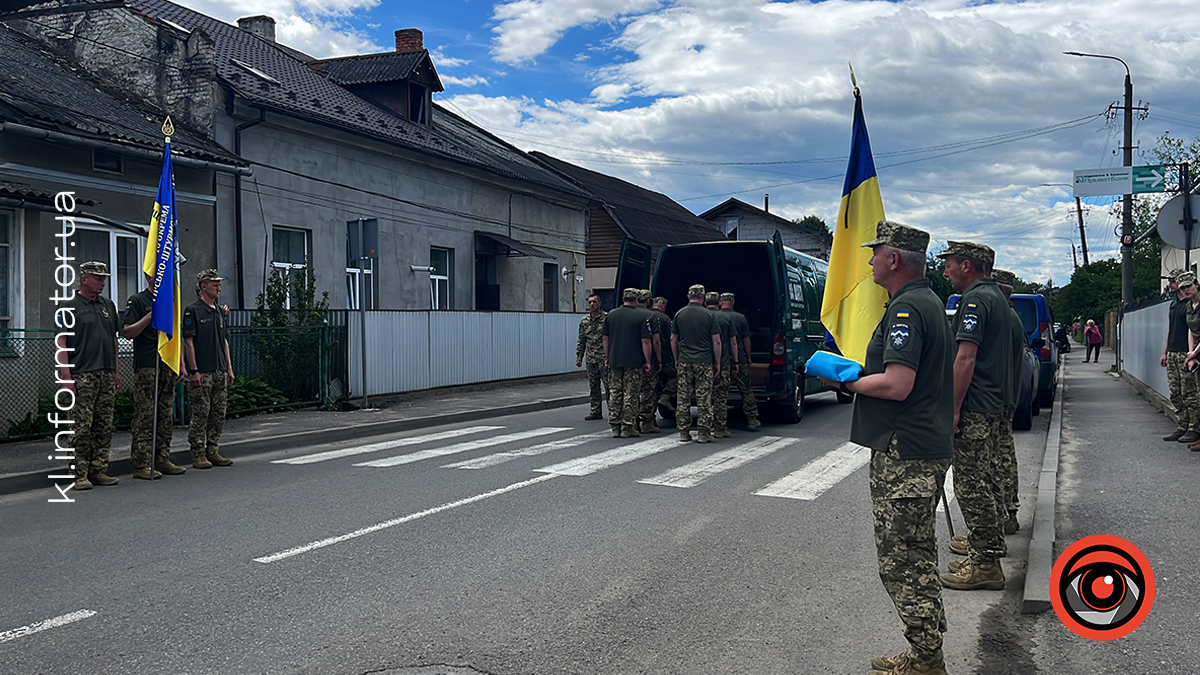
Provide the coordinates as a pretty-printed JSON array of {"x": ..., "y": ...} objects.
[{"x": 168, "y": 130}]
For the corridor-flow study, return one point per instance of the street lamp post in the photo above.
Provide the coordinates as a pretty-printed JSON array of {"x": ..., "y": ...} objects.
[{"x": 1127, "y": 202}]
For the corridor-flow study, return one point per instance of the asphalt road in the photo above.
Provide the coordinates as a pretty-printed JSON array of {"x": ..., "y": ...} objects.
[{"x": 620, "y": 556}]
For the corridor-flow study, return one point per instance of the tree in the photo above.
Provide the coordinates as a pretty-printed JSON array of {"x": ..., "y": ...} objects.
[
  {"x": 289, "y": 337},
  {"x": 814, "y": 224},
  {"x": 934, "y": 271}
]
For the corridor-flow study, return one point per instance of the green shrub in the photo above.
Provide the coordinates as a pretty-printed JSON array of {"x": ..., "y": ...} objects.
[
  {"x": 252, "y": 393},
  {"x": 34, "y": 426}
]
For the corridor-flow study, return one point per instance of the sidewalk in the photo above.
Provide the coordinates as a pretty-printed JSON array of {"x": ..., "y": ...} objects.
[{"x": 24, "y": 466}]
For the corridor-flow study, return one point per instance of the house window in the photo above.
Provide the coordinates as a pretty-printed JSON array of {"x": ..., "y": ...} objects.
[
  {"x": 418, "y": 103},
  {"x": 108, "y": 162},
  {"x": 550, "y": 287},
  {"x": 121, "y": 252},
  {"x": 731, "y": 226},
  {"x": 441, "y": 260},
  {"x": 6, "y": 265},
  {"x": 290, "y": 249},
  {"x": 355, "y": 278}
]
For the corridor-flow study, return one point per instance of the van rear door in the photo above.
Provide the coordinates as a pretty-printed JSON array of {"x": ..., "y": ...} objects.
[{"x": 633, "y": 267}]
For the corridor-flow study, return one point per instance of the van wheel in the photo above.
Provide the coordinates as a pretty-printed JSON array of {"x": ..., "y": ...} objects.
[
  {"x": 792, "y": 411},
  {"x": 1047, "y": 395}
]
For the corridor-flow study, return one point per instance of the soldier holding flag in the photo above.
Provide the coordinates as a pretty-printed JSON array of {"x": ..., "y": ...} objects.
[{"x": 153, "y": 391}]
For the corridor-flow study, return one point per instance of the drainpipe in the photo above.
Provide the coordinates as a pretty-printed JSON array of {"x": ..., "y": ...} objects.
[{"x": 237, "y": 204}]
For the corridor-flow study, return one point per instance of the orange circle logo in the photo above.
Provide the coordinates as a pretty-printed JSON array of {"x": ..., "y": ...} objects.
[{"x": 1102, "y": 587}]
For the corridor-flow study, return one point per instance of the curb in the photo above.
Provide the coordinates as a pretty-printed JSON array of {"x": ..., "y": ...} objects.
[
  {"x": 35, "y": 480},
  {"x": 1041, "y": 546}
]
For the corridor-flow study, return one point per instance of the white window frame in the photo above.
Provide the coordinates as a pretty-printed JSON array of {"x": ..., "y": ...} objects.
[
  {"x": 11, "y": 320},
  {"x": 114, "y": 271},
  {"x": 285, "y": 268},
  {"x": 435, "y": 299},
  {"x": 353, "y": 287}
]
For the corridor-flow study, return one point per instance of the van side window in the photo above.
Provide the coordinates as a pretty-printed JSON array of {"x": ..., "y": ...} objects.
[{"x": 795, "y": 290}]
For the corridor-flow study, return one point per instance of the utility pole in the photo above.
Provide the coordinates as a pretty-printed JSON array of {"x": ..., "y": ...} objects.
[
  {"x": 1127, "y": 204},
  {"x": 1074, "y": 258},
  {"x": 1082, "y": 234}
]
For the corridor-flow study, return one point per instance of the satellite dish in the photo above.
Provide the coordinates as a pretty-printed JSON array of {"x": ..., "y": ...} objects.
[{"x": 1170, "y": 223}]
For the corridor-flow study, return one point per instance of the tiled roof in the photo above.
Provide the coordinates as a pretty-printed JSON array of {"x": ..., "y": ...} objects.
[
  {"x": 735, "y": 204},
  {"x": 649, "y": 217},
  {"x": 302, "y": 91},
  {"x": 390, "y": 67},
  {"x": 37, "y": 90}
]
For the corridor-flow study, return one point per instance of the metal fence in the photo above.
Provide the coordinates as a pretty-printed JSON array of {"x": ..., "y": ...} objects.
[
  {"x": 275, "y": 366},
  {"x": 1143, "y": 335},
  {"x": 414, "y": 350}
]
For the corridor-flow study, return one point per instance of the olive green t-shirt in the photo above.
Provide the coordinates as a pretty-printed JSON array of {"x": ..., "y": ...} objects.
[
  {"x": 94, "y": 336},
  {"x": 695, "y": 327},
  {"x": 983, "y": 318},
  {"x": 209, "y": 332},
  {"x": 741, "y": 329},
  {"x": 662, "y": 325},
  {"x": 913, "y": 332},
  {"x": 1177, "y": 329},
  {"x": 145, "y": 345},
  {"x": 725, "y": 325},
  {"x": 1017, "y": 336},
  {"x": 625, "y": 328}
]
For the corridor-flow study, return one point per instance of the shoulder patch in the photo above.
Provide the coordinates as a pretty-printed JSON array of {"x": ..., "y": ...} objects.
[
  {"x": 898, "y": 335},
  {"x": 901, "y": 315},
  {"x": 970, "y": 323}
]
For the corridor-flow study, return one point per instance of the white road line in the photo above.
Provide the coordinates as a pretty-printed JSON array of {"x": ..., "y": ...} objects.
[
  {"x": 609, "y": 458},
  {"x": 502, "y": 457},
  {"x": 461, "y": 447},
  {"x": 384, "y": 445},
  {"x": 397, "y": 521},
  {"x": 691, "y": 475},
  {"x": 40, "y": 626},
  {"x": 819, "y": 475},
  {"x": 949, "y": 490}
]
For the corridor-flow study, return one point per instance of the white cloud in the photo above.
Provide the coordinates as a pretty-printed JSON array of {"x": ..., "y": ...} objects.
[
  {"x": 465, "y": 82},
  {"x": 315, "y": 28},
  {"x": 528, "y": 28}
]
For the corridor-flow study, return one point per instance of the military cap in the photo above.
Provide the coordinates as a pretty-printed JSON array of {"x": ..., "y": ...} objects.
[
  {"x": 899, "y": 235},
  {"x": 629, "y": 294},
  {"x": 659, "y": 300},
  {"x": 711, "y": 297},
  {"x": 1004, "y": 277},
  {"x": 1173, "y": 275},
  {"x": 94, "y": 267},
  {"x": 966, "y": 249},
  {"x": 696, "y": 290},
  {"x": 208, "y": 275},
  {"x": 1186, "y": 279},
  {"x": 726, "y": 296},
  {"x": 643, "y": 294}
]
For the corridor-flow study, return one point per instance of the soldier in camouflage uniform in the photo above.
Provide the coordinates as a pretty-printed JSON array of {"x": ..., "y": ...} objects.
[
  {"x": 983, "y": 367},
  {"x": 1006, "y": 455},
  {"x": 148, "y": 365},
  {"x": 723, "y": 377},
  {"x": 1190, "y": 383},
  {"x": 904, "y": 413},
  {"x": 591, "y": 345},
  {"x": 90, "y": 370},
  {"x": 627, "y": 344},
  {"x": 696, "y": 343},
  {"x": 665, "y": 389},
  {"x": 210, "y": 371},
  {"x": 741, "y": 379},
  {"x": 1174, "y": 354},
  {"x": 648, "y": 413}
]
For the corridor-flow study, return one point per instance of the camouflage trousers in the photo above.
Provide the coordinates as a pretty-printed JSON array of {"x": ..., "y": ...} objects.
[
  {"x": 95, "y": 393},
  {"x": 742, "y": 382},
  {"x": 720, "y": 399},
  {"x": 904, "y": 494},
  {"x": 143, "y": 433},
  {"x": 694, "y": 379},
  {"x": 977, "y": 484},
  {"x": 646, "y": 412},
  {"x": 208, "y": 413},
  {"x": 667, "y": 380},
  {"x": 624, "y": 397},
  {"x": 1006, "y": 462},
  {"x": 1183, "y": 392},
  {"x": 597, "y": 375}
]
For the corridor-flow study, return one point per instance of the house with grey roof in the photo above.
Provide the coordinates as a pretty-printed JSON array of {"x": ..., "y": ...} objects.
[
  {"x": 451, "y": 217},
  {"x": 745, "y": 222}
]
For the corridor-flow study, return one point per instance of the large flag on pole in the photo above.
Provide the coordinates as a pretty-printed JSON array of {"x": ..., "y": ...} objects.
[
  {"x": 853, "y": 303},
  {"x": 162, "y": 263}
]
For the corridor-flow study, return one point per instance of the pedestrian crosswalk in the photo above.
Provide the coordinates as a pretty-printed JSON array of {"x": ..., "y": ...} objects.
[{"x": 811, "y": 480}]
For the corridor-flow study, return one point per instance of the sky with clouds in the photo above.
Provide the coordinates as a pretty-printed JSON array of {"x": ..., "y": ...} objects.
[{"x": 976, "y": 118}]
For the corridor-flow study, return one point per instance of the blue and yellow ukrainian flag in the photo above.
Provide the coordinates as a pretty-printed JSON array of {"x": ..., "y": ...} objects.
[
  {"x": 853, "y": 303},
  {"x": 161, "y": 262}
]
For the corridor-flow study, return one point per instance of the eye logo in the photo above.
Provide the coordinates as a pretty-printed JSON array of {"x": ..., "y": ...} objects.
[{"x": 1102, "y": 587}]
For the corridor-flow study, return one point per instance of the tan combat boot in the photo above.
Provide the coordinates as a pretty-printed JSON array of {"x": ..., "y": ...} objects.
[
  {"x": 650, "y": 428},
  {"x": 685, "y": 437},
  {"x": 594, "y": 416},
  {"x": 145, "y": 474},
  {"x": 201, "y": 462},
  {"x": 102, "y": 479},
  {"x": 958, "y": 545},
  {"x": 972, "y": 576},
  {"x": 630, "y": 431},
  {"x": 704, "y": 437},
  {"x": 665, "y": 401},
  {"x": 169, "y": 468},
  {"x": 722, "y": 433},
  {"x": 82, "y": 483},
  {"x": 753, "y": 424},
  {"x": 217, "y": 460},
  {"x": 902, "y": 664}
]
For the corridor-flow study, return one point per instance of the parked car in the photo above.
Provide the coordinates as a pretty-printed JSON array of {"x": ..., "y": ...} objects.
[
  {"x": 777, "y": 288},
  {"x": 1028, "y": 401},
  {"x": 1036, "y": 320}
]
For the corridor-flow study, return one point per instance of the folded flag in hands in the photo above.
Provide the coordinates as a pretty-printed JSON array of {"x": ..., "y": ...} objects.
[{"x": 833, "y": 367}]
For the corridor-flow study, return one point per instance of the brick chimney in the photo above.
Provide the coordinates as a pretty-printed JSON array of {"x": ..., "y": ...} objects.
[
  {"x": 409, "y": 40},
  {"x": 263, "y": 26}
]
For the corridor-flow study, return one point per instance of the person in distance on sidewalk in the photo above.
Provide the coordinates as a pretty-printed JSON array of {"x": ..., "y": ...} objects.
[
  {"x": 1094, "y": 340},
  {"x": 591, "y": 346},
  {"x": 904, "y": 412}
]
